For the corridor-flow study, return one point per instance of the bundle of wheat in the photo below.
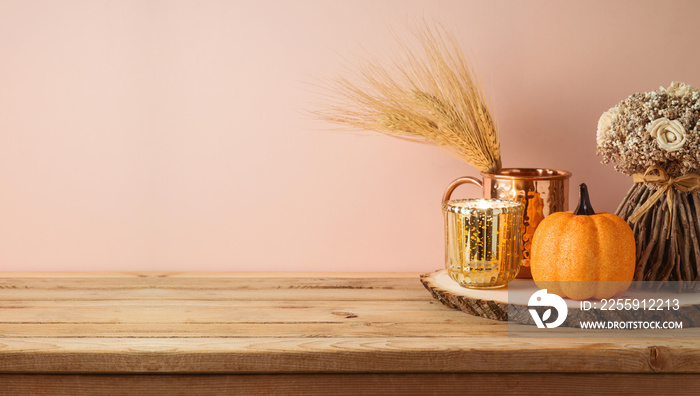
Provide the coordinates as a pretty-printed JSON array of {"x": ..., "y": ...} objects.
[{"x": 431, "y": 96}]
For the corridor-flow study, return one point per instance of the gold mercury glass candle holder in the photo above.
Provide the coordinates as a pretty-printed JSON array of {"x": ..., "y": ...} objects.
[{"x": 482, "y": 241}]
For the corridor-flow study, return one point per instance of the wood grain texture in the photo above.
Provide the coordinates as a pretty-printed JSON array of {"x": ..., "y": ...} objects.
[
  {"x": 484, "y": 308},
  {"x": 353, "y": 384},
  {"x": 163, "y": 323}
]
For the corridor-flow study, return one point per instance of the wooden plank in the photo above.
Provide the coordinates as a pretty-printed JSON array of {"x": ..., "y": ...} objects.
[
  {"x": 204, "y": 283},
  {"x": 324, "y": 384},
  {"x": 300, "y": 294},
  {"x": 399, "y": 305},
  {"x": 182, "y": 311},
  {"x": 330, "y": 321},
  {"x": 337, "y": 328},
  {"x": 205, "y": 274},
  {"x": 351, "y": 355},
  {"x": 425, "y": 343}
]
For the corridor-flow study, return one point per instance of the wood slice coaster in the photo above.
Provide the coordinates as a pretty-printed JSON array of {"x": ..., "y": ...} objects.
[{"x": 494, "y": 303}]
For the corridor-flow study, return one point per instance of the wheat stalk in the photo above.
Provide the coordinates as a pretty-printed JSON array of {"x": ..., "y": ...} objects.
[{"x": 433, "y": 98}]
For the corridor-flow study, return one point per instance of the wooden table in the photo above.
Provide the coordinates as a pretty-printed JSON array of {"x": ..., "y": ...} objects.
[{"x": 328, "y": 333}]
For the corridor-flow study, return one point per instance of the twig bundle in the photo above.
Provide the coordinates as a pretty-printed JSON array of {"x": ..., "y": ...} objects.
[
  {"x": 433, "y": 98},
  {"x": 668, "y": 242}
]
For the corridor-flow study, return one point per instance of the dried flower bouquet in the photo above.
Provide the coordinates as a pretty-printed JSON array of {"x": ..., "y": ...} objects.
[{"x": 655, "y": 137}]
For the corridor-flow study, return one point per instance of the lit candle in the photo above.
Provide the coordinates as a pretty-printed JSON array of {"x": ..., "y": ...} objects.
[{"x": 482, "y": 243}]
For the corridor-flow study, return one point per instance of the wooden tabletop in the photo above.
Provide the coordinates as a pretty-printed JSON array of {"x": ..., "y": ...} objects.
[{"x": 260, "y": 332}]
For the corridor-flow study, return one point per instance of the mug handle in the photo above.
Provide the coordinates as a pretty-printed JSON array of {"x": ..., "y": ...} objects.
[{"x": 459, "y": 181}]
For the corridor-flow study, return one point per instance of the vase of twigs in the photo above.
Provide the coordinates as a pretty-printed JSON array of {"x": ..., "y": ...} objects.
[{"x": 433, "y": 95}]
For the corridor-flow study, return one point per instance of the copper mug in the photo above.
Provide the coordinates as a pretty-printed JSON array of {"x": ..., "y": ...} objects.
[{"x": 542, "y": 191}]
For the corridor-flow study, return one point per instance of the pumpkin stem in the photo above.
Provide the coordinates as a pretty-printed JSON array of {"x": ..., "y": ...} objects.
[{"x": 584, "y": 203}]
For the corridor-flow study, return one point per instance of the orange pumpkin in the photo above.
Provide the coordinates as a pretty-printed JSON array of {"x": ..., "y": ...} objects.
[{"x": 582, "y": 254}]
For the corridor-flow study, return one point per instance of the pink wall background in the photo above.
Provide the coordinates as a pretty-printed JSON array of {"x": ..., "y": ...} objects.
[{"x": 169, "y": 135}]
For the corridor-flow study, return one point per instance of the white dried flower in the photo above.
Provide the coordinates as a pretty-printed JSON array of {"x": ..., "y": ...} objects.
[
  {"x": 670, "y": 135},
  {"x": 679, "y": 89},
  {"x": 606, "y": 122}
]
